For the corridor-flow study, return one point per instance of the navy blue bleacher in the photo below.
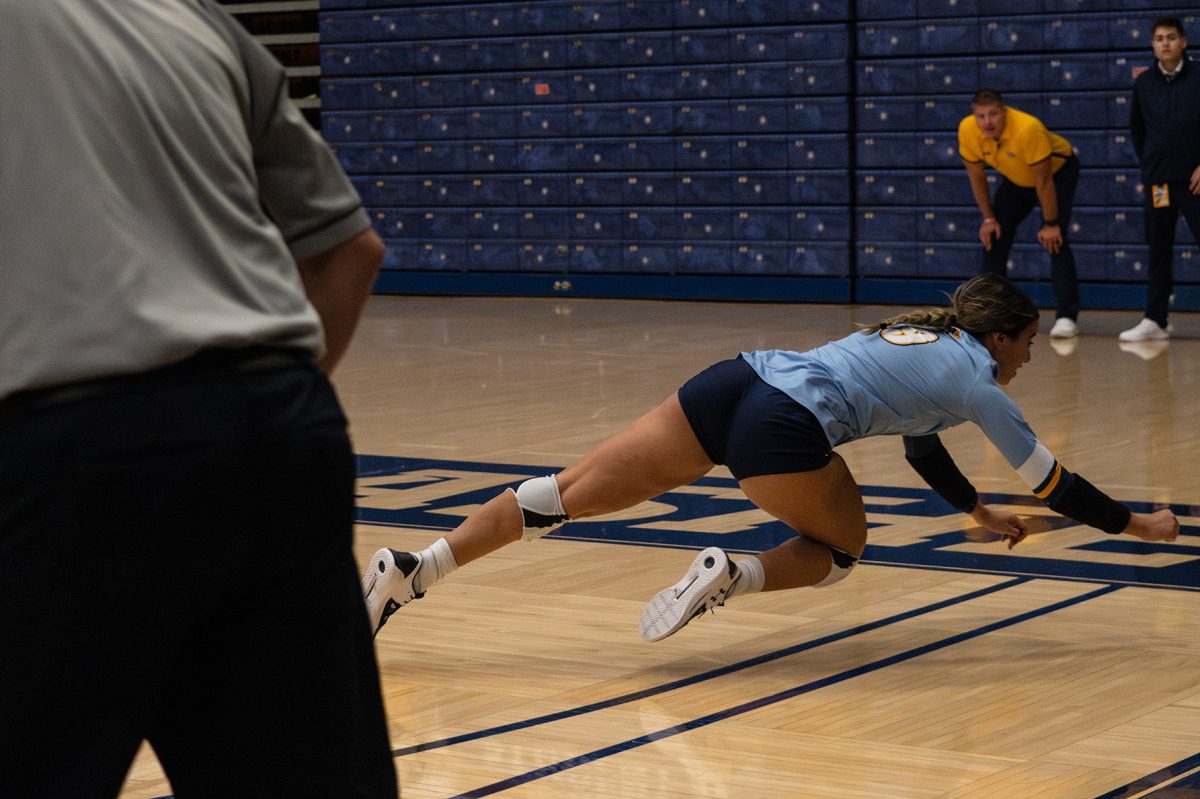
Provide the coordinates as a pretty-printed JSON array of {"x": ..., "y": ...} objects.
[
  {"x": 783, "y": 148},
  {"x": 634, "y": 138}
]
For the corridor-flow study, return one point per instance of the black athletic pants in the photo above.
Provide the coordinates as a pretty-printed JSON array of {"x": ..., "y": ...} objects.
[
  {"x": 176, "y": 565},
  {"x": 1011, "y": 205},
  {"x": 1160, "y": 236}
]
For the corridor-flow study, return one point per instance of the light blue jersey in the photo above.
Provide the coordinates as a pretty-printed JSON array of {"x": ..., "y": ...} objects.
[{"x": 906, "y": 381}]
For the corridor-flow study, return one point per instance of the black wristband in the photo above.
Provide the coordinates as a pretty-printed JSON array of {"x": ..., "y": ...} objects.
[{"x": 1049, "y": 223}]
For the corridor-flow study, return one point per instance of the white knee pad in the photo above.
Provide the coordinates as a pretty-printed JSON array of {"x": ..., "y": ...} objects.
[
  {"x": 843, "y": 562},
  {"x": 541, "y": 507}
]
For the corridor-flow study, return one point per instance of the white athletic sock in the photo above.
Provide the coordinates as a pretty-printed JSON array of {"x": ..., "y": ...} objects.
[
  {"x": 436, "y": 562},
  {"x": 750, "y": 577}
]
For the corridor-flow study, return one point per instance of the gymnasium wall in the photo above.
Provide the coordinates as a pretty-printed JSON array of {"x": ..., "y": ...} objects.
[{"x": 726, "y": 149}]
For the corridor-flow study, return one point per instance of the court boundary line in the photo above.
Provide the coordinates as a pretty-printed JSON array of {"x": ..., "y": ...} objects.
[
  {"x": 1156, "y": 780},
  {"x": 711, "y": 674},
  {"x": 1065, "y": 578},
  {"x": 780, "y": 696},
  {"x": 559, "y": 536}
]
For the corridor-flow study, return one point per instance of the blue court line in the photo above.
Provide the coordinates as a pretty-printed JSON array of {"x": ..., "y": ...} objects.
[
  {"x": 746, "y": 707},
  {"x": 1167, "y": 780},
  {"x": 559, "y": 535},
  {"x": 1032, "y": 575},
  {"x": 704, "y": 676}
]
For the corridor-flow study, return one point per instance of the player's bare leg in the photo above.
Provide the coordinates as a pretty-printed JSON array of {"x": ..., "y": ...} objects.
[{"x": 655, "y": 454}]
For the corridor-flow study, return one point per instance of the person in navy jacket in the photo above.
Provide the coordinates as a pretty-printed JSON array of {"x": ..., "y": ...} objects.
[{"x": 1164, "y": 121}]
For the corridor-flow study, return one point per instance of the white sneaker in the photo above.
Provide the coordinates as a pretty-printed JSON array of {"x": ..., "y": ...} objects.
[
  {"x": 705, "y": 586},
  {"x": 388, "y": 584},
  {"x": 1064, "y": 328},
  {"x": 1146, "y": 330}
]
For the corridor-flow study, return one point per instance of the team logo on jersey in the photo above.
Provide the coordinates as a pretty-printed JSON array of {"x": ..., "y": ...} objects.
[{"x": 907, "y": 335}]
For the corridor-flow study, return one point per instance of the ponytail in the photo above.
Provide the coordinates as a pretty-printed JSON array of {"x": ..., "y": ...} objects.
[{"x": 984, "y": 304}]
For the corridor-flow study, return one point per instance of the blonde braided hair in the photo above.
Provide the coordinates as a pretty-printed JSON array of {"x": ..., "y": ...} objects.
[{"x": 984, "y": 304}]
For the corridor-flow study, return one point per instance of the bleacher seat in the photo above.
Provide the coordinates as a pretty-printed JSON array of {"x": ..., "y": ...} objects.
[{"x": 722, "y": 137}]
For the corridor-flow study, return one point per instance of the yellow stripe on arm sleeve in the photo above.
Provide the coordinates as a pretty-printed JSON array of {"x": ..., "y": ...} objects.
[
  {"x": 1070, "y": 494},
  {"x": 1044, "y": 491}
]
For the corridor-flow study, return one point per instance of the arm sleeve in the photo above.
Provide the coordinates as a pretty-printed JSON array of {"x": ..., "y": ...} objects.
[
  {"x": 928, "y": 456},
  {"x": 1066, "y": 493},
  {"x": 1076, "y": 498}
]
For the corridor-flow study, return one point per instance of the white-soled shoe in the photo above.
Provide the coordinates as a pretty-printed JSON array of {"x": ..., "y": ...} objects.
[
  {"x": 1146, "y": 330},
  {"x": 705, "y": 586},
  {"x": 388, "y": 584},
  {"x": 1064, "y": 328}
]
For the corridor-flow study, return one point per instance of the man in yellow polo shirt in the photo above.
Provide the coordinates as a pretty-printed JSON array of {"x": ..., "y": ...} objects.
[{"x": 1037, "y": 167}]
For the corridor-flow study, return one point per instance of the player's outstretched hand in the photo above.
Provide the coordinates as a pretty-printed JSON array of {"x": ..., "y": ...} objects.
[
  {"x": 1158, "y": 526},
  {"x": 1005, "y": 523}
]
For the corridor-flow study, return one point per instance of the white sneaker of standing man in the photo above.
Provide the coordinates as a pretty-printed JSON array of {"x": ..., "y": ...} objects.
[
  {"x": 1146, "y": 330},
  {"x": 1064, "y": 328}
]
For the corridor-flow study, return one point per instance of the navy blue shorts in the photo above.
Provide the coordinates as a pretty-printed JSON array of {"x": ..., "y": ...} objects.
[{"x": 751, "y": 427}]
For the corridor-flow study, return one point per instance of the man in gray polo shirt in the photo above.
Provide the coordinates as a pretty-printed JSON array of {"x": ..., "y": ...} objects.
[{"x": 180, "y": 255}]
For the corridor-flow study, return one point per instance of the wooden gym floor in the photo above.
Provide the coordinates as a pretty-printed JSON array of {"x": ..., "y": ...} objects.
[{"x": 946, "y": 666}]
